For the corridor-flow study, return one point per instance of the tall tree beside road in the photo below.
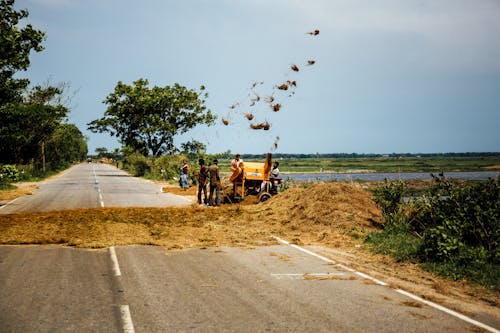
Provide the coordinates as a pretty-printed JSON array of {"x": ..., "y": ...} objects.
[
  {"x": 66, "y": 144},
  {"x": 32, "y": 121},
  {"x": 27, "y": 126},
  {"x": 16, "y": 43},
  {"x": 147, "y": 119}
]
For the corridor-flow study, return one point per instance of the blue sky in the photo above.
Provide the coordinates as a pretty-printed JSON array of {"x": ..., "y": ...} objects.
[{"x": 390, "y": 75}]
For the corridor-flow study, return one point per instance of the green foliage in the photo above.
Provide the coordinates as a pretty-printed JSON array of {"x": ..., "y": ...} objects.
[
  {"x": 25, "y": 126},
  {"x": 194, "y": 149},
  {"x": 147, "y": 119},
  {"x": 390, "y": 196},
  {"x": 461, "y": 216},
  {"x": 168, "y": 166},
  {"x": 66, "y": 145},
  {"x": 459, "y": 226},
  {"x": 8, "y": 173},
  {"x": 16, "y": 42},
  {"x": 396, "y": 238},
  {"x": 137, "y": 164}
]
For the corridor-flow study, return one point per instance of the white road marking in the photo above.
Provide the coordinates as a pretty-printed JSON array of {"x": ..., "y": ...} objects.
[
  {"x": 8, "y": 203},
  {"x": 400, "y": 291},
  {"x": 101, "y": 200},
  {"x": 114, "y": 259},
  {"x": 128, "y": 325},
  {"x": 448, "y": 311},
  {"x": 303, "y": 275}
]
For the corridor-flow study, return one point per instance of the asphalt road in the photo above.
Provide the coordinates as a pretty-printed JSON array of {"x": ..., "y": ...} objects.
[
  {"x": 149, "y": 289},
  {"x": 90, "y": 185}
]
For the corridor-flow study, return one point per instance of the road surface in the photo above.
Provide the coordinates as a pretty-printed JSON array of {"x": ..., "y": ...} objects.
[
  {"x": 149, "y": 289},
  {"x": 90, "y": 185},
  {"x": 280, "y": 288}
]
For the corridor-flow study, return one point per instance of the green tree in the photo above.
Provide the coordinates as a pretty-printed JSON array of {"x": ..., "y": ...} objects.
[
  {"x": 67, "y": 144},
  {"x": 193, "y": 148},
  {"x": 26, "y": 127},
  {"x": 101, "y": 152},
  {"x": 16, "y": 43},
  {"x": 147, "y": 119}
]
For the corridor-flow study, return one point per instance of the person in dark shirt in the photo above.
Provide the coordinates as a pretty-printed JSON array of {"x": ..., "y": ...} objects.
[
  {"x": 202, "y": 181},
  {"x": 213, "y": 171}
]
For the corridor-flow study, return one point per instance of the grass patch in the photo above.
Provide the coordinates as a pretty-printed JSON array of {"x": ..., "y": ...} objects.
[
  {"x": 485, "y": 274},
  {"x": 395, "y": 239},
  {"x": 7, "y": 187}
]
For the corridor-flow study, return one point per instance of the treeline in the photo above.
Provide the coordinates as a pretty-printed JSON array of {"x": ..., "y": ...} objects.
[
  {"x": 34, "y": 132},
  {"x": 358, "y": 155}
]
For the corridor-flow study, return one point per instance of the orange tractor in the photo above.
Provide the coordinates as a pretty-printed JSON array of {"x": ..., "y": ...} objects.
[{"x": 252, "y": 178}]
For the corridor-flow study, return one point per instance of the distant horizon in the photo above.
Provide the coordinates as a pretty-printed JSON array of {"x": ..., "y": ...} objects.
[
  {"x": 489, "y": 153},
  {"x": 385, "y": 76}
]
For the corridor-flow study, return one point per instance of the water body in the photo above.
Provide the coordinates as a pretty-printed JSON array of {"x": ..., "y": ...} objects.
[{"x": 317, "y": 177}]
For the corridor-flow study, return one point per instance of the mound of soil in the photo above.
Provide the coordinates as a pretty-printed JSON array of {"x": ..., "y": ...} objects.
[{"x": 332, "y": 213}]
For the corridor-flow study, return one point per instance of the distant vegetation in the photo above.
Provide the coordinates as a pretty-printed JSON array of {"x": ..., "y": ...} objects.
[
  {"x": 383, "y": 163},
  {"x": 453, "y": 228},
  {"x": 356, "y": 155},
  {"x": 35, "y": 138}
]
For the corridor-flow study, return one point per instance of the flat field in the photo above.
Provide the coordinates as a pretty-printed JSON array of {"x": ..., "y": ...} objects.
[{"x": 383, "y": 164}]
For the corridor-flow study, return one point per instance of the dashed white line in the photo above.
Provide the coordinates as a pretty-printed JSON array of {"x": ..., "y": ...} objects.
[
  {"x": 101, "y": 200},
  {"x": 114, "y": 259},
  {"x": 303, "y": 275},
  {"x": 400, "y": 291},
  {"x": 128, "y": 325}
]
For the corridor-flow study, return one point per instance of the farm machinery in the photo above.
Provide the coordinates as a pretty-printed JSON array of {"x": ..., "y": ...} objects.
[{"x": 252, "y": 179}]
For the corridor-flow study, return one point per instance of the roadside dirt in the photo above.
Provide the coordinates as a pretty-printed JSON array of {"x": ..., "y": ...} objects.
[
  {"x": 21, "y": 190},
  {"x": 333, "y": 216}
]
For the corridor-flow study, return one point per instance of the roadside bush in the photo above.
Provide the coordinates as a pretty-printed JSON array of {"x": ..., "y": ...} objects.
[
  {"x": 396, "y": 239},
  {"x": 168, "y": 167},
  {"x": 390, "y": 196},
  {"x": 137, "y": 164},
  {"x": 453, "y": 229},
  {"x": 9, "y": 173},
  {"x": 461, "y": 216}
]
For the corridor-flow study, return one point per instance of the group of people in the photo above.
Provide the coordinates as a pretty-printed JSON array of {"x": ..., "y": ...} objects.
[{"x": 208, "y": 175}]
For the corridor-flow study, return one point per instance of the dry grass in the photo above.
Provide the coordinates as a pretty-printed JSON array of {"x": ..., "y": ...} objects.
[
  {"x": 328, "y": 213},
  {"x": 8, "y": 195}
]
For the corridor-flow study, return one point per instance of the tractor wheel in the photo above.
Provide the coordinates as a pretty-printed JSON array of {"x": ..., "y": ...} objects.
[{"x": 264, "y": 196}]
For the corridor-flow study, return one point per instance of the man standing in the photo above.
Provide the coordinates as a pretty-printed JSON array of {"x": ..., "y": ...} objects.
[
  {"x": 183, "y": 181},
  {"x": 236, "y": 163},
  {"x": 213, "y": 171},
  {"x": 202, "y": 181}
]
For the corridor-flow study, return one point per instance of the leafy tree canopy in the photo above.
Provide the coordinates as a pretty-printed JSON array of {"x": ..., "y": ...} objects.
[
  {"x": 25, "y": 125},
  {"x": 193, "y": 148},
  {"x": 147, "y": 119},
  {"x": 16, "y": 43}
]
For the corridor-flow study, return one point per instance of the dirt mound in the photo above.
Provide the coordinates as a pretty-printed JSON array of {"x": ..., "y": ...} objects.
[{"x": 332, "y": 213}]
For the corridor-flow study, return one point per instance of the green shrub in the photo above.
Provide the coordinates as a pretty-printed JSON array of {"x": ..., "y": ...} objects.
[
  {"x": 137, "y": 164},
  {"x": 396, "y": 239},
  {"x": 390, "y": 196},
  {"x": 168, "y": 167},
  {"x": 454, "y": 229},
  {"x": 9, "y": 173},
  {"x": 461, "y": 215}
]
